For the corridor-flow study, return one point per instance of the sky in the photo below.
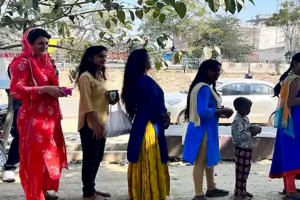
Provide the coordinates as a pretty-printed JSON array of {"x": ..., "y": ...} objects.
[{"x": 261, "y": 7}]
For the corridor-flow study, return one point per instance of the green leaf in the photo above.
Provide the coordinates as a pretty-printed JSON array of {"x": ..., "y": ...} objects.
[
  {"x": 158, "y": 65},
  {"x": 139, "y": 14},
  {"x": 115, "y": 6},
  {"x": 180, "y": 8},
  {"x": 162, "y": 18},
  {"x": 72, "y": 17},
  {"x": 101, "y": 34},
  {"x": 100, "y": 14},
  {"x": 121, "y": 16},
  {"x": 240, "y": 5},
  {"x": 159, "y": 5},
  {"x": 150, "y": 3},
  {"x": 170, "y": 2},
  {"x": 230, "y": 6},
  {"x": 218, "y": 50},
  {"x": 115, "y": 21},
  {"x": 214, "y": 5},
  {"x": 35, "y": 4},
  {"x": 207, "y": 52},
  {"x": 20, "y": 10},
  {"x": 67, "y": 30},
  {"x": 252, "y": 2},
  {"x": 61, "y": 30},
  {"x": 146, "y": 9},
  {"x": 140, "y": 2},
  {"x": 107, "y": 24},
  {"x": 156, "y": 13},
  {"x": 132, "y": 15},
  {"x": 161, "y": 41}
]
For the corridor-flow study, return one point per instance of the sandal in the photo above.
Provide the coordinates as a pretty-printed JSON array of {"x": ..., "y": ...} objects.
[
  {"x": 95, "y": 197},
  {"x": 102, "y": 194},
  {"x": 199, "y": 198},
  {"x": 50, "y": 197},
  {"x": 216, "y": 193}
]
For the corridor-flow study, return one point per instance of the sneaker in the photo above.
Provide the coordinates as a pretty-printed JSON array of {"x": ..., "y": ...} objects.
[{"x": 8, "y": 176}]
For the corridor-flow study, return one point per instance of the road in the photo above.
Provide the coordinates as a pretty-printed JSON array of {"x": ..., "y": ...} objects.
[{"x": 69, "y": 108}]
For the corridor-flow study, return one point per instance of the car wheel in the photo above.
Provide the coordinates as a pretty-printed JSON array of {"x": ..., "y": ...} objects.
[
  {"x": 271, "y": 120},
  {"x": 181, "y": 119}
]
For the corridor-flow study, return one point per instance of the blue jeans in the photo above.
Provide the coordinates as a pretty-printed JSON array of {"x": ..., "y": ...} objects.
[{"x": 13, "y": 153}]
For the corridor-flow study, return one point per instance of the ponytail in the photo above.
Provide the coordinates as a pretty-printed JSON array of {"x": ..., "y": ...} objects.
[
  {"x": 295, "y": 59},
  {"x": 277, "y": 88}
]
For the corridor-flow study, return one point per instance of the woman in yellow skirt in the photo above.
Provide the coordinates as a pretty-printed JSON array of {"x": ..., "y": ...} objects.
[{"x": 148, "y": 173}]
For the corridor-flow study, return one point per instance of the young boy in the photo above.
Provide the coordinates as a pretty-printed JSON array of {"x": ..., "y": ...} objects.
[{"x": 243, "y": 137}]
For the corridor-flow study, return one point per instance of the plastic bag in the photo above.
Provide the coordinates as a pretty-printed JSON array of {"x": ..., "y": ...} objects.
[{"x": 117, "y": 123}]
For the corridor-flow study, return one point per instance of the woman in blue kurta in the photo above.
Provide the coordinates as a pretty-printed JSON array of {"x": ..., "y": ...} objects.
[
  {"x": 201, "y": 146},
  {"x": 148, "y": 174},
  {"x": 286, "y": 157}
]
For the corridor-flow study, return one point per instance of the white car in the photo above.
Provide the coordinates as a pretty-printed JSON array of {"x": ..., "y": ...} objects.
[{"x": 259, "y": 92}]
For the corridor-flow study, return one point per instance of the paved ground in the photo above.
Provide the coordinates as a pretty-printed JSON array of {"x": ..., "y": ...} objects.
[{"x": 112, "y": 178}]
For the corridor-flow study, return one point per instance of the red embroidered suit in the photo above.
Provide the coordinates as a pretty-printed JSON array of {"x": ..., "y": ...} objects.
[{"x": 42, "y": 145}]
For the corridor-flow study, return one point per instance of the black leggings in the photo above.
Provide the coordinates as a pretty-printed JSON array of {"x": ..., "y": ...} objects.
[{"x": 93, "y": 151}]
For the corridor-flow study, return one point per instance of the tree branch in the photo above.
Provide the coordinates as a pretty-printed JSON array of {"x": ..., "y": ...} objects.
[
  {"x": 50, "y": 45},
  {"x": 78, "y": 14},
  {"x": 67, "y": 5}
]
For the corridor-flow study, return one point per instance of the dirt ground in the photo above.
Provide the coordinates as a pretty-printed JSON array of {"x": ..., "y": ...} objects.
[{"x": 112, "y": 178}]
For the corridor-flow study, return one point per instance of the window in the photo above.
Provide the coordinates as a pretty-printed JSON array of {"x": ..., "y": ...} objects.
[
  {"x": 260, "y": 89},
  {"x": 234, "y": 89}
]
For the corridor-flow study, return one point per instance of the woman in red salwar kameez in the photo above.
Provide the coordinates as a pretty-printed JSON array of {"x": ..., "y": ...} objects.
[{"x": 42, "y": 145}]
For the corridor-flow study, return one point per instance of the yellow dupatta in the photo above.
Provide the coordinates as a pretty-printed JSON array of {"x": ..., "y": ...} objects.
[{"x": 283, "y": 117}]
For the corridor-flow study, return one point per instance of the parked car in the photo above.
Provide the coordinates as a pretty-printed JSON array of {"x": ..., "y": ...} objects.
[{"x": 259, "y": 92}]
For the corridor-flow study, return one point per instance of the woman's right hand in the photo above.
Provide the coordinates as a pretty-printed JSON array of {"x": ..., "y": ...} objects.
[
  {"x": 54, "y": 91},
  {"x": 98, "y": 131}
]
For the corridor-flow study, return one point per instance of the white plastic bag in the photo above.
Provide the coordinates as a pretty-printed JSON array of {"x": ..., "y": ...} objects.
[{"x": 117, "y": 123}]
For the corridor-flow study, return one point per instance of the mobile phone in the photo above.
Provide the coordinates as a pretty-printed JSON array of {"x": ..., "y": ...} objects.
[{"x": 67, "y": 91}]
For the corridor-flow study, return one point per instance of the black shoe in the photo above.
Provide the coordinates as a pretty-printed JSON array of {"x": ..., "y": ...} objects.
[
  {"x": 284, "y": 191},
  {"x": 199, "y": 198},
  {"x": 216, "y": 193}
]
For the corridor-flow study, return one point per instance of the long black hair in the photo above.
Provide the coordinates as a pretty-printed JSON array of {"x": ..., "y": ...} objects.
[
  {"x": 277, "y": 88},
  {"x": 134, "y": 69},
  {"x": 201, "y": 76},
  {"x": 87, "y": 65}
]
